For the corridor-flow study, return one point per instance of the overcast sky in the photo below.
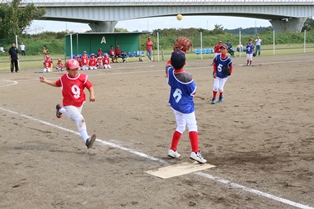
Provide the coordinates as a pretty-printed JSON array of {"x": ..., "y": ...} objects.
[{"x": 206, "y": 22}]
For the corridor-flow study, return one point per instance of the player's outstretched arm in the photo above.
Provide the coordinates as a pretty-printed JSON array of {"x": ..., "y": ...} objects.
[
  {"x": 42, "y": 79},
  {"x": 91, "y": 94}
]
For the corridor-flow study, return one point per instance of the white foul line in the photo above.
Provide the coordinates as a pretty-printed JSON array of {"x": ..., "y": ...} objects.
[
  {"x": 220, "y": 180},
  {"x": 254, "y": 191}
]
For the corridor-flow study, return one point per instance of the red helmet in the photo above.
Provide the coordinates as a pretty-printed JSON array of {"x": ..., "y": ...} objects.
[
  {"x": 72, "y": 64},
  {"x": 47, "y": 56}
]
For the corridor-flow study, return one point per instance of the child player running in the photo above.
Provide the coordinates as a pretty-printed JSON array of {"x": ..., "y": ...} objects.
[
  {"x": 182, "y": 91},
  {"x": 221, "y": 61},
  {"x": 73, "y": 85}
]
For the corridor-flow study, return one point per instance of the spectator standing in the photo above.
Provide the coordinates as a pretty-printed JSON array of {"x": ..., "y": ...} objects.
[
  {"x": 258, "y": 43},
  {"x": 22, "y": 46},
  {"x": 14, "y": 57},
  {"x": 240, "y": 47},
  {"x": 45, "y": 50},
  {"x": 149, "y": 49},
  {"x": 217, "y": 48}
]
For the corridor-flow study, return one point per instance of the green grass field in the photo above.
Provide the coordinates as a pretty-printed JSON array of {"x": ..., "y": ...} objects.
[{"x": 35, "y": 62}]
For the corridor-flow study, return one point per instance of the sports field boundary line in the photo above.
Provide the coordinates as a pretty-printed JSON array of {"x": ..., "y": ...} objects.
[
  {"x": 205, "y": 175},
  {"x": 55, "y": 76}
]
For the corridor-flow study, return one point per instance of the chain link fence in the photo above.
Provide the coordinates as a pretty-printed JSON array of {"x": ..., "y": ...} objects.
[{"x": 203, "y": 44}]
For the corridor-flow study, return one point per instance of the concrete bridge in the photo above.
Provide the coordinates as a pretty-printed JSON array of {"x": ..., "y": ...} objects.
[{"x": 103, "y": 15}]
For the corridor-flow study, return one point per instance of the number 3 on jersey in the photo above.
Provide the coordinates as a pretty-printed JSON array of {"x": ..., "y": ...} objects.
[
  {"x": 177, "y": 95},
  {"x": 76, "y": 91}
]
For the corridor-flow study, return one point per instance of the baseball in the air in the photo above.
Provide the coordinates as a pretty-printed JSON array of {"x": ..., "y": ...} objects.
[{"x": 179, "y": 17}]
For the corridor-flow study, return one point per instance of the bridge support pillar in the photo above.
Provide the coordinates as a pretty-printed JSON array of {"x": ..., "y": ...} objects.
[
  {"x": 103, "y": 26},
  {"x": 288, "y": 25}
]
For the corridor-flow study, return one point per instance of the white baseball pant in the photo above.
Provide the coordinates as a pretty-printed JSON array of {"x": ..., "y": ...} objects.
[
  {"x": 184, "y": 120},
  {"x": 219, "y": 84},
  {"x": 74, "y": 113}
]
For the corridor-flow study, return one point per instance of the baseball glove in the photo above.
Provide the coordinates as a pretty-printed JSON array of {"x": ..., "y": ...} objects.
[
  {"x": 182, "y": 43},
  {"x": 254, "y": 54},
  {"x": 226, "y": 70}
]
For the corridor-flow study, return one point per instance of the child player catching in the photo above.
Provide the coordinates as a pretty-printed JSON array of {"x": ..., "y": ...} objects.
[
  {"x": 73, "y": 85},
  {"x": 182, "y": 90},
  {"x": 221, "y": 61}
]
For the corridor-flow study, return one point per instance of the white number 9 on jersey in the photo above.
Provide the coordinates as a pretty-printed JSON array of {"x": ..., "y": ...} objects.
[{"x": 76, "y": 91}]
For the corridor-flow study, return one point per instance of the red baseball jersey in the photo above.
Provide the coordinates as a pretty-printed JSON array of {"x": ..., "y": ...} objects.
[
  {"x": 73, "y": 89},
  {"x": 111, "y": 52},
  {"x": 106, "y": 61},
  {"x": 92, "y": 62},
  {"x": 47, "y": 63},
  {"x": 84, "y": 60},
  {"x": 217, "y": 48}
]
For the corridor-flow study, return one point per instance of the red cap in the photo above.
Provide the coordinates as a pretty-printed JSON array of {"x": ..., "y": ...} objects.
[
  {"x": 223, "y": 46},
  {"x": 72, "y": 64}
]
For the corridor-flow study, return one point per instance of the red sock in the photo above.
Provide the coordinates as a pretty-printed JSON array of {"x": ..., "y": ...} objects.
[
  {"x": 220, "y": 94},
  {"x": 194, "y": 140},
  {"x": 250, "y": 62},
  {"x": 175, "y": 140},
  {"x": 214, "y": 94}
]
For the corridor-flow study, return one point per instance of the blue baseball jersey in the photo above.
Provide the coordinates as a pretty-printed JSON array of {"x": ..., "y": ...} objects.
[
  {"x": 181, "y": 92},
  {"x": 220, "y": 64},
  {"x": 249, "y": 48}
]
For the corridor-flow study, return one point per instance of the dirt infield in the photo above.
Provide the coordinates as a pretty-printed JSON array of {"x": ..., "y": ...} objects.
[{"x": 261, "y": 139}]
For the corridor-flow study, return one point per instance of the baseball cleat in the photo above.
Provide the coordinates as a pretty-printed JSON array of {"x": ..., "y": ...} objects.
[
  {"x": 58, "y": 114},
  {"x": 173, "y": 154},
  {"x": 90, "y": 141},
  {"x": 213, "y": 100},
  {"x": 197, "y": 157},
  {"x": 221, "y": 99}
]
